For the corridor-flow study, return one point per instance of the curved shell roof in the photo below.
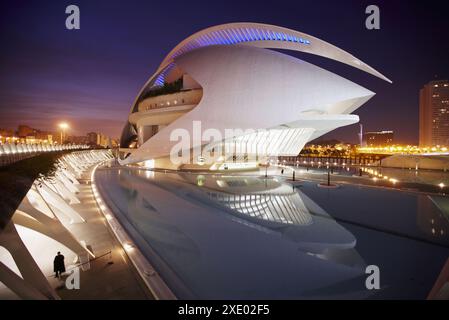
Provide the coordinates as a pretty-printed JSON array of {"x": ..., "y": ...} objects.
[
  {"x": 266, "y": 36},
  {"x": 256, "y": 35}
]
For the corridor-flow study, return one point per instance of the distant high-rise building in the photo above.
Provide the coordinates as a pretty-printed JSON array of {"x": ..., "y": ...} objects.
[
  {"x": 378, "y": 139},
  {"x": 434, "y": 114}
]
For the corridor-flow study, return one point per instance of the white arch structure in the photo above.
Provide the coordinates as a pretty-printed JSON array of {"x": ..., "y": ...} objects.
[
  {"x": 21, "y": 148},
  {"x": 44, "y": 209},
  {"x": 263, "y": 36},
  {"x": 235, "y": 82}
]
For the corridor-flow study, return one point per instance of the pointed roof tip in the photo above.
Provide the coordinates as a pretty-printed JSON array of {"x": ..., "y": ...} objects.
[{"x": 379, "y": 75}]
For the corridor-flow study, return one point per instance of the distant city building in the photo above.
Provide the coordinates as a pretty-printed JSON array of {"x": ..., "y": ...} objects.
[
  {"x": 77, "y": 139},
  {"x": 434, "y": 114},
  {"x": 92, "y": 138},
  {"x": 102, "y": 140},
  {"x": 6, "y": 133},
  {"x": 27, "y": 134},
  {"x": 99, "y": 140},
  {"x": 44, "y": 136},
  {"x": 25, "y": 131},
  {"x": 378, "y": 139}
]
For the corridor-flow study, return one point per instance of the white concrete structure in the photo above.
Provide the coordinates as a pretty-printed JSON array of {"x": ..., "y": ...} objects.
[
  {"x": 11, "y": 148},
  {"x": 43, "y": 218},
  {"x": 225, "y": 78}
]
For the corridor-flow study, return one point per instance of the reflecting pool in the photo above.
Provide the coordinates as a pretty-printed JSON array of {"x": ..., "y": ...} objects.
[
  {"x": 249, "y": 237},
  {"x": 429, "y": 177}
]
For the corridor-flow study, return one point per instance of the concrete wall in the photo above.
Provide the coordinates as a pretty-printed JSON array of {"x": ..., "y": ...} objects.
[{"x": 417, "y": 161}]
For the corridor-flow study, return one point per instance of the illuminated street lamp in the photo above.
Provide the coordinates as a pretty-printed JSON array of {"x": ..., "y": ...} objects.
[
  {"x": 266, "y": 169},
  {"x": 63, "y": 126},
  {"x": 128, "y": 247}
]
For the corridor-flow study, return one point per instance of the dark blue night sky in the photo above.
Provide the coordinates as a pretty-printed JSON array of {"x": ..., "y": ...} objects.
[{"x": 90, "y": 77}]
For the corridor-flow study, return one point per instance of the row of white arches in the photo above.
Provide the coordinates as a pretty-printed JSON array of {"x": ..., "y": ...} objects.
[
  {"x": 47, "y": 209},
  {"x": 11, "y": 148}
]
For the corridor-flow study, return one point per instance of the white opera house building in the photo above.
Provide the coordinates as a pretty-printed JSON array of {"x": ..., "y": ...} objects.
[{"x": 221, "y": 99}]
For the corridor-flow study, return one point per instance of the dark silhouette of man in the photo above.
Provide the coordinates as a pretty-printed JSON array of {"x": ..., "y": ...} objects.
[{"x": 58, "y": 265}]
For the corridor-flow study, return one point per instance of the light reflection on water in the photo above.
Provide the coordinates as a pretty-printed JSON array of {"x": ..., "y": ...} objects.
[
  {"x": 245, "y": 237},
  {"x": 430, "y": 177}
]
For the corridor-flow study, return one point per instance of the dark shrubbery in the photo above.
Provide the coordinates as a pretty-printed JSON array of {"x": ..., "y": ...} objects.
[
  {"x": 167, "y": 88},
  {"x": 17, "y": 178}
]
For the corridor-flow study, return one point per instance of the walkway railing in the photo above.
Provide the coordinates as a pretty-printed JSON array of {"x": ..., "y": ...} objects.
[
  {"x": 10, "y": 153},
  {"x": 11, "y": 148}
]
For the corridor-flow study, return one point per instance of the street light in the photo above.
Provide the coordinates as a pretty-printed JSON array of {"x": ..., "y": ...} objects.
[
  {"x": 63, "y": 126},
  {"x": 266, "y": 169}
]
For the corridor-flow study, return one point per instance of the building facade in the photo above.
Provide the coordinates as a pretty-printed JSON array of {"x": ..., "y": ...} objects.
[
  {"x": 378, "y": 138},
  {"x": 27, "y": 134},
  {"x": 92, "y": 138},
  {"x": 236, "y": 102},
  {"x": 434, "y": 114}
]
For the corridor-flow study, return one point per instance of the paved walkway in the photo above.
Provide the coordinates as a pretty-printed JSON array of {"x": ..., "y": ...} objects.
[{"x": 111, "y": 275}]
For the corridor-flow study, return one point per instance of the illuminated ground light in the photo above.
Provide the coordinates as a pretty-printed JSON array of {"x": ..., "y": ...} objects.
[{"x": 128, "y": 247}]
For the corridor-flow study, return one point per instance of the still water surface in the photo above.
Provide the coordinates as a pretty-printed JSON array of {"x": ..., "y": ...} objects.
[{"x": 247, "y": 237}]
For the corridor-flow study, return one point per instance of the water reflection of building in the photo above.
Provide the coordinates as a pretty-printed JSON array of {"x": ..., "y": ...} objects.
[
  {"x": 430, "y": 217},
  {"x": 267, "y": 204},
  {"x": 265, "y": 199},
  {"x": 274, "y": 205},
  {"x": 151, "y": 223},
  {"x": 283, "y": 208},
  {"x": 193, "y": 224}
]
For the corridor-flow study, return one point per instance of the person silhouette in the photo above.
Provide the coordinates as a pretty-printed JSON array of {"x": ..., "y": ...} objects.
[{"x": 58, "y": 265}]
